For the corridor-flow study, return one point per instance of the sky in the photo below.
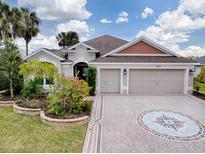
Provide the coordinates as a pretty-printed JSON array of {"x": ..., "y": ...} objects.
[{"x": 176, "y": 24}]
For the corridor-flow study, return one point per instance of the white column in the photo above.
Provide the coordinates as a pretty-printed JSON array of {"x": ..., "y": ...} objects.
[
  {"x": 186, "y": 80},
  {"x": 98, "y": 80},
  {"x": 44, "y": 81}
]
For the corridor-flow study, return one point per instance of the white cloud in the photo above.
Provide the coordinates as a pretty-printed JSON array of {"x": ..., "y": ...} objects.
[
  {"x": 173, "y": 27},
  {"x": 147, "y": 12},
  {"x": 193, "y": 51},
  {"x": 81, "y": 27},
  {"x": 58, "y": 9},
  {"x": 192, "y": 7},
  {"x": 106, "y": 21},
  {"x": 74, "y": 25},
  {"x": 40, "y": 41},
  {"x": 123, "y": 17}
]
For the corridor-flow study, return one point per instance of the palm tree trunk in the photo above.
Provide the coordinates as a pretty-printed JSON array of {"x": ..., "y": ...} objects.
[
  {"x": 11, "y": 89},
  {"x": 2, "y": 35},
  {"x": 26, "y": 48}
]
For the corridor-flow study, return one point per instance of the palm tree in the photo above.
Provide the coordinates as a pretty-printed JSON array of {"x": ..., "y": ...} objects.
[
  {"x": 67, "y": 38},
  {"x": 25, "y": 24},
  {"x": 5, "y": 21}
]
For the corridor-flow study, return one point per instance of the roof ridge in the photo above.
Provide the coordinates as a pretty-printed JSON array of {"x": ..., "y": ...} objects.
[{"x": 105, "y": 35}]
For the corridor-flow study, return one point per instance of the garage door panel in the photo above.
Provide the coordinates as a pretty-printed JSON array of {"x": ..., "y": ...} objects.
[
  {"x": 156, "y": 81},
  {"x": 110, "y": 80}
]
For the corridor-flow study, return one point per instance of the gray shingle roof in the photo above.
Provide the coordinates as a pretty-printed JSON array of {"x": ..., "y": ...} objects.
[
  {"x": 143, "y": 59},
  {"x": 105, "y": 43}
]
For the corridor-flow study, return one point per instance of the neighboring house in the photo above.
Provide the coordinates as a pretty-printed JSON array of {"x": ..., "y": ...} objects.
[
  {"x": 201, "y": 60},
  {"x": 137, "y": 67}
]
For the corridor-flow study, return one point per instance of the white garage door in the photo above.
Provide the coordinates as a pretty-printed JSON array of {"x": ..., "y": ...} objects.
[
  {"x": 156, "y": 81},
  {"x": 110, "y": 80}
]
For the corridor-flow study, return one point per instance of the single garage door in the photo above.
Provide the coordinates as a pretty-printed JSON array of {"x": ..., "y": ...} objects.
[
  {"x": 156, "y": 81},
  {"x": 110, "y": 80}
]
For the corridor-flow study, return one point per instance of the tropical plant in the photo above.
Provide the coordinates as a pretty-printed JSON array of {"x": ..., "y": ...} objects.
[
  {"x": 33, "y": 89},
  {"x": 78, "y": 92},
  {"x": 5, "y": 21},
  {"x": 10, "y": 61},
  {"x": 68, "y": 96},
  {"x": 25, "y": 24},
  {"x": 38, "y": 69},
  {"x": 67, "y": 38},
  {"x": 54, "y": 106},
  {"x": 91, "y": 79}
]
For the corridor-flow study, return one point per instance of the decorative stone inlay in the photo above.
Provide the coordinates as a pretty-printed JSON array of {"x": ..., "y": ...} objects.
[
  {"x": 169, "y": 122},
  {"x": 171, "y": 125}
]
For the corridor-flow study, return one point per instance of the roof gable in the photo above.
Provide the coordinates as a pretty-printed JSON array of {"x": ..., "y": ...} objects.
[
  {"x": 141, "y": 46},
  {"x": 43, "y": 50},
  {"x": 83, "y": 44}
]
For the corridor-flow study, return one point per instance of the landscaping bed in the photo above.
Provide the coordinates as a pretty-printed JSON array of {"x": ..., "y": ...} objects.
[
  {"x": 8, "y": 98},
  {"x": 29, "y": 107},
  {"x": 34, "y": 103},
  {"x": 28, "y": 134},
  {"x": 199, "y": 87},
  {"x": 199, "y": 95},
  {"x": 67, "y": 115},
  {"x": 69, "y": 121}
]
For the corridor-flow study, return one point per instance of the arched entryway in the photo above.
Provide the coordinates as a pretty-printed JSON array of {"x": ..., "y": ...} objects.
[{"x": 80, "y": 70}]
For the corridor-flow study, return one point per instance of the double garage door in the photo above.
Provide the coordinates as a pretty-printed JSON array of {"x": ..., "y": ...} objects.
[{"x": 143, "y": 81}]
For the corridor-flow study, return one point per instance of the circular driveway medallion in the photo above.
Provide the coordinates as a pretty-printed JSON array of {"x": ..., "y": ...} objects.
[{"x": 171, "y": 125}]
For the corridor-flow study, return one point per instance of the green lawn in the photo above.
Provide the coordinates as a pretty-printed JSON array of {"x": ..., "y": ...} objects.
[
  {"x": 20, "y": 133},
  {"x": 201, "y": 86}
]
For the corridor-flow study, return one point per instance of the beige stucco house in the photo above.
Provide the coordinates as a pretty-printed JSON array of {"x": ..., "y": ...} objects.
[{"x": 137, "y": 67}]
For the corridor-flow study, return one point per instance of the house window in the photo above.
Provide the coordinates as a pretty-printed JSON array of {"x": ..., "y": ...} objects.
[{"x": 46, "y": 81}]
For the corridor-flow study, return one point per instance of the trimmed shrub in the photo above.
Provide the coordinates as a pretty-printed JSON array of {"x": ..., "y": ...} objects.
[
  {"x": 54, "y": 106},
  {"x": 91, "y": 79},
  {"x": 68, "y": 96}
]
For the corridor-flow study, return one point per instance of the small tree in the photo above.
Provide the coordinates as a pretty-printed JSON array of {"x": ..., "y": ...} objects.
[
  {"x": 38, "y": 69},
  {"x": 91, "y": 79},
  {"x": 10, "y": 61}
]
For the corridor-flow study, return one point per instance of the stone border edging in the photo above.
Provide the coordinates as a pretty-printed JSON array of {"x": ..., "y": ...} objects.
[
  {"x": 26, "y": 111},
  {"x": 63, "y": 122},
  {"x": 92, "y": 141},
  {"x": 6, "y": 103}
]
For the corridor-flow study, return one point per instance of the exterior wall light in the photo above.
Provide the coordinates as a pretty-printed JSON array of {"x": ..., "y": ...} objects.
[
  {"x": 125, "y": 72},
  {"x": 191, "y": 72}
]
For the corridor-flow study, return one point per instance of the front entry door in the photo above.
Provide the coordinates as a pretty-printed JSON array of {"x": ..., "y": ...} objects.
[{"x": 80, "y": 70}]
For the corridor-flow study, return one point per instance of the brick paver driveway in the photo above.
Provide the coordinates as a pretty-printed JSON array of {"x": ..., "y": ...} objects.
[{"x": 114, "y": 127}]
